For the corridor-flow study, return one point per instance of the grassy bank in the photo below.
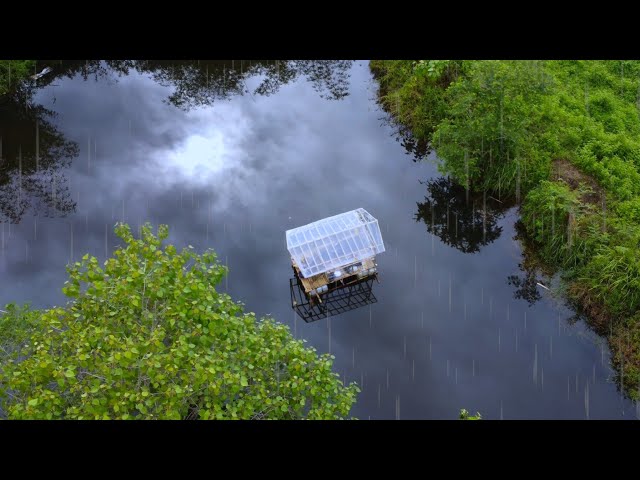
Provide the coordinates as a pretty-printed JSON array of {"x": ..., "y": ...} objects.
[
  {"x": 562, "y": 137},
  {"x": 13, "y": 72}
]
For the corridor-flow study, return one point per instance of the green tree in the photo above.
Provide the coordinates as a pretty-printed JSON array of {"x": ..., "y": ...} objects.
[
  {"x": 12, "y": 72},
  {"x": 486, "y": 138},
  {"x": 413, "y": 92},
  {"x": 149, "y": 337}
]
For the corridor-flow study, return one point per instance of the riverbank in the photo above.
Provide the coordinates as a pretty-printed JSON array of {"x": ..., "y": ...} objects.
[{"x": 563, "y": 138}]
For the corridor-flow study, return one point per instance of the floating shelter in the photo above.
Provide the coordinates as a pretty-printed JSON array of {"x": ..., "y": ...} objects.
[{"x": 334, "y": 253}]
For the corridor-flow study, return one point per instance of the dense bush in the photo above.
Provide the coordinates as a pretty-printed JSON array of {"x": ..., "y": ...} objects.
[
  {"x": 148, "y": 336},
  {"x": 502, "y": 126}
]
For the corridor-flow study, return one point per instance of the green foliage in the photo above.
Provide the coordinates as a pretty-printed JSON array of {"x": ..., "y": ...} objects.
[
  {"x": 464, "y": 415},
  {"x": 147, "y": 336},
  {"x": 502, "y": 125},
  {"x": 12, "y": 72},
  {"x": 613, "y": 277},
  {"x": 444, "y": 71},
  {"x": 413, "y": 90},
  {"x": 556, "y": 219},
  {"x": 494, "y": 122},
  {"x": 599, "y": 249},
  {"x": 625, "y": 342},
  {"x": 16, "y": 326},
  {"x": 493, "y": 115}
]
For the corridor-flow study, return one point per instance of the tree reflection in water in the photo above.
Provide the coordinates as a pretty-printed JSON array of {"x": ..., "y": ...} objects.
[
  {"x": 526, "y": 286},
  {"x": 462, "y": 220},
  {"x": 201, "y": 82},
  {"x": 469, "y": 222},
  {"x": 32, "y": 154},
  {"x": 531, "y": 268}
]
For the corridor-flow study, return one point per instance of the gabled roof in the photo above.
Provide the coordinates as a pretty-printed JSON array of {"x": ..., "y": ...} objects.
[{"x": 334, "y": 242}]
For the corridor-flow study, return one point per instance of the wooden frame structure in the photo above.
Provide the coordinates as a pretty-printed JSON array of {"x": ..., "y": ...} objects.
[{"x": 333, "y": 260}]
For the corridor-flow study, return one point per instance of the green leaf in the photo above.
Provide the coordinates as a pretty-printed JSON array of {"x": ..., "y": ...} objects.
[{"x": 156, "y": 362}]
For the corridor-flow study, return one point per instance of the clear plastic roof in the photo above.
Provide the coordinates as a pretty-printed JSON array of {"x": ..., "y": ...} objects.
[{"x": 334, "y": 242}]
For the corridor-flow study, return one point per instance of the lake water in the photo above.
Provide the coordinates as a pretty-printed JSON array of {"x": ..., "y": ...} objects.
[{"x": 457, "y": 324}]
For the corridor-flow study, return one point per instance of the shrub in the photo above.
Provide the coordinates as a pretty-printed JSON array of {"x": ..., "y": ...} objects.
[{"x": 149, "y": 337}]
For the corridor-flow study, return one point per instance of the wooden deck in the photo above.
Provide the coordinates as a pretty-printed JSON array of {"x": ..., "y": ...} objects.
[{"x": 321, "y": 279}]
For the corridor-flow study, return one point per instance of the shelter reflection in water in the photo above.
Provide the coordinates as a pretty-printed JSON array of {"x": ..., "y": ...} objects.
[{"x": 334, "y": 303}]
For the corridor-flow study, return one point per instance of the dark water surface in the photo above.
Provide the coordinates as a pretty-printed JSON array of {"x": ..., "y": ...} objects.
[{"x": 457, "y": 324}]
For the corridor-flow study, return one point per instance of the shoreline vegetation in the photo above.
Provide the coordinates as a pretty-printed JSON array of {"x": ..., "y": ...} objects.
[
  {"x": 562, "y": 138},
  {"x": 13, "y": 73}
]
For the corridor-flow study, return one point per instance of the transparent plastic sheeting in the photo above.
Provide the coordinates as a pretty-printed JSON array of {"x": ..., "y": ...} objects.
[{"x": 334, "y": 242}]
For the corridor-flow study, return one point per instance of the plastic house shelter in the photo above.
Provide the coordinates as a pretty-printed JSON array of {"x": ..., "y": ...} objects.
[{"x": 334, "y": 253}]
